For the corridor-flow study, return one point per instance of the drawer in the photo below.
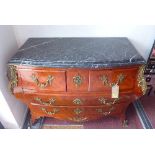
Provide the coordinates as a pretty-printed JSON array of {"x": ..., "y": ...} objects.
[
  {"x": 43, "y": 80},
  {"x": 75, "y": 100},
  {"x": 77, "y": 80},
  {"x": 104, "y": 80},
  {"x": 72, "y": 112},
  {"x": 97, "y": 80},
  {"x": 126, "y": 78}
]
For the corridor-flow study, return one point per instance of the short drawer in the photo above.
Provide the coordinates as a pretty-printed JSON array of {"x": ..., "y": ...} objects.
[
  {"x": 97, "y": 79},
  {"x": 77, "y": 80},
  {"x": 43, "y": 80},
  {"x": 126, "y": 78},
  {"x": 104, "y": 80}
]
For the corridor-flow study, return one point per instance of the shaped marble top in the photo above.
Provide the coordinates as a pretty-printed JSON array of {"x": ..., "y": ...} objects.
[{"x": 77, "y": 53}]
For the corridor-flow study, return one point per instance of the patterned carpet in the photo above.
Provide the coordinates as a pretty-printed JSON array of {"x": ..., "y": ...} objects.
[
  {"x": 148, "y": 105},
  {"x": 140, "y": 115}
]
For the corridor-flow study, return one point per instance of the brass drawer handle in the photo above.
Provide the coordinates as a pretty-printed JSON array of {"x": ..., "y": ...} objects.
[
  {"x": 50, "y": 102},
  {"x": 49, "y": 80},
  {"x": 78, "y": 119},
  {"x": 105, "y": 81},
  {"x": 55, "y": 110},
  {"x": 77, "y": 80},
  {"x": 102, "y": 100},
  {"x": 77, "y": 111},
  {"x": 77, "y": 101},
  {"x": 105, "y": 113}
]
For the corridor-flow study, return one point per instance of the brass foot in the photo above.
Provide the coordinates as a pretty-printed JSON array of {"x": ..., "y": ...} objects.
[{"x": 125, "y": 123}]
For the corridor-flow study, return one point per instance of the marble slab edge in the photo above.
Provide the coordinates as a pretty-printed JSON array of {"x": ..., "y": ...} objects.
[{"x": 76, "y": 65}]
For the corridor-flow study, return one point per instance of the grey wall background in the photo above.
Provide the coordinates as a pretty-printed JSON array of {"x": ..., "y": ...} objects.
[
  {"x": 12, "y": 112},
  {"x": 142, "y": 36}
]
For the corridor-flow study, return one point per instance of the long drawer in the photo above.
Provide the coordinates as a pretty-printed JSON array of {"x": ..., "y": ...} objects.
[
  {"x": 72, "y": 112},
  {"x": 67, "y": 99}
]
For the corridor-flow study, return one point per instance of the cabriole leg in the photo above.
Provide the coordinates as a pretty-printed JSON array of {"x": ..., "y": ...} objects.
[{"x": 33, "y": 119}]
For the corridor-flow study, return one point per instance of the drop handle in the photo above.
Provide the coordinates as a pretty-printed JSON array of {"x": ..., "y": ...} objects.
[
  {"x": 42, "y": 85},
  {"x": 102, "y": 100},
  {"x": 54, "y": 111},
  {"x": 105, "y": 113},
  {"x": 49, "y": 102},
  {"x": 105, "y": 80}
]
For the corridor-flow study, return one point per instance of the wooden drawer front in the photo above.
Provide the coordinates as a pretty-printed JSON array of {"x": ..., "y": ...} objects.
[
  {"x": 72, "y": 111},
  {"x": 128, "y": 77},
  {"x": 43, "y": 80},
  {"x": 104, "y": 80},
  {"x": 97, "y": 80},
  {"x": 74, "y": 100},
  {"x": 77, "y": 80}
]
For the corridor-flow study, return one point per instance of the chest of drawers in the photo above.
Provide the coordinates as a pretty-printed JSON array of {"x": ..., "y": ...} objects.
[{"x": 74, "y": 79}]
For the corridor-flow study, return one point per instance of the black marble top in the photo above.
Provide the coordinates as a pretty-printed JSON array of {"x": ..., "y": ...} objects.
[{"x": 77, "y": 52}]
